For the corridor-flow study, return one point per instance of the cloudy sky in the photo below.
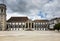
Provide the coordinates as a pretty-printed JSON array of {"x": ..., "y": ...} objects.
[{"x": 34, "y": 9}]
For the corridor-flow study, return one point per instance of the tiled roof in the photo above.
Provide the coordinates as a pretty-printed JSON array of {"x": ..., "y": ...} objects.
[
  {"x": 40, "y": 20},
  {"x": 55, "y": 18},
  {"x": 18, "y": 19}
]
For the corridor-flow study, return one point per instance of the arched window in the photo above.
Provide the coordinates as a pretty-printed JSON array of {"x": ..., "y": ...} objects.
[
  {"x": 23, "y": 23},
  {"x": 16, "y": 23},
  {"x": 19, "y": 23},
  {"x": 13, "y": 23},
  {"x": 1, "y": 10}
]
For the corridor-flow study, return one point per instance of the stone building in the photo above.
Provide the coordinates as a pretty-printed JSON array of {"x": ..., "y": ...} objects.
[
  {"x": 2, "y": 17},
  {"x": 17, "y": 23},
  {"x": 41, "y": 24},
  {"x": 53, "y": 21},
  {"x": 20, "y": 23},
  {"x": 24, "y": 23}
]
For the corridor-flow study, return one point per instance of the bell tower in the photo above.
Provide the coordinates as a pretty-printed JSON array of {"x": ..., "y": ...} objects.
[{"x": 2, "y": 17}]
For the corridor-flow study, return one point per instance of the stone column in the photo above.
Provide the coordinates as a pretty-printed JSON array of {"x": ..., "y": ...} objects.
[
  {"x": 21, "y": 25},
  {"x": 34, "y": 26},
  {"x": 7, "y": 26},
  {"x": 25, "y": 25},
  {"x": 28, "y": 25},
  {"x": 11, "y": 26},
  {"x": 15, "y": 26},
  {"x": 18, "y": 26}
]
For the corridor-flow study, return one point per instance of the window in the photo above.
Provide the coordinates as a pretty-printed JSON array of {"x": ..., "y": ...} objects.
[
  {"x": 1, "y": 10},
  {"x": 10, "y": 23},
  {"x": 34, "y": 23},
  {"x": 23, "y": 23},
  {"x": 55, "y": 21},
  {"x": 46, "y": 22},
  {"x": 43, "y": 23},
  {"x": 19, "y": 23},
  {"x": 13, "y": 23},
  {"x": 38, "y": 23},
  {"x": 16, "y": 23}
]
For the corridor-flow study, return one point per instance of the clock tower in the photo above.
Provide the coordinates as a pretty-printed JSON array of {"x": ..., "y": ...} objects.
[{"x": 2, "y": 17}]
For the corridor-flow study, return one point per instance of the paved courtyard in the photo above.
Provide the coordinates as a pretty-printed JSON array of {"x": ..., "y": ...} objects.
[{"x": 29, "y": 36}]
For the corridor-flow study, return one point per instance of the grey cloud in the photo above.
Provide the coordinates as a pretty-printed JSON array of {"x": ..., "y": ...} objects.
[
  {"x": 51, "y": 7},
  {"x": 21, "y": 6},
  {"x": 1, "y": 1},
  {"x": 25, "y": 6}
]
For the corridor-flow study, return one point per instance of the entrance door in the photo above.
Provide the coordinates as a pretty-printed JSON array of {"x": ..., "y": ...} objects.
[{"x": 29, "y": 26}]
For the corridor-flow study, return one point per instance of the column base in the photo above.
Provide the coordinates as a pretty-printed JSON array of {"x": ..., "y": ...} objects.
[{"x": 29, "y": 30}]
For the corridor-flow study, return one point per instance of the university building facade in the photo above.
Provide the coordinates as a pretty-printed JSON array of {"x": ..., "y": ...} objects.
[{"x": 24, "y": 23}]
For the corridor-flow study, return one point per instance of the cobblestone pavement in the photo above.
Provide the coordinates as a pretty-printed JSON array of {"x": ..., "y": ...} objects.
[{"x": 29, "y": 36}]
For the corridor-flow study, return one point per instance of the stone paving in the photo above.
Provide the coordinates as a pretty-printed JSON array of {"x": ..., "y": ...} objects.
[{"x": 29, "y": 36}]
